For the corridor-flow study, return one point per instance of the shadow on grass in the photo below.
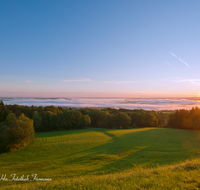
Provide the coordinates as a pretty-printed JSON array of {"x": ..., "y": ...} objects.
[
  {"x": 117, "y": 153},
  {"x": 146, "y": 146}
]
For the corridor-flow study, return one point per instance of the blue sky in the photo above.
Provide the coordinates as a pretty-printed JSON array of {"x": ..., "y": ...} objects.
[{"x": 100, "y": 48}]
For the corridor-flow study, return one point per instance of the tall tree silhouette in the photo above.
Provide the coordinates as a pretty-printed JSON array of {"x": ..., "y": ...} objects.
[{"x": 2, "y": 111}]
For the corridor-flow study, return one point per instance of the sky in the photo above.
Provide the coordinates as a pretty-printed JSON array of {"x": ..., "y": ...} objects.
[{"x": 115, "y": 48}]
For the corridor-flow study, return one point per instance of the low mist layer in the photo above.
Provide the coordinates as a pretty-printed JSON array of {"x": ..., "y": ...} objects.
[{"x": 148, "y": 104}]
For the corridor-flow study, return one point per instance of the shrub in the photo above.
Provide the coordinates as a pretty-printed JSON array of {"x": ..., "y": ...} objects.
[{"x": 16, "y": 133}]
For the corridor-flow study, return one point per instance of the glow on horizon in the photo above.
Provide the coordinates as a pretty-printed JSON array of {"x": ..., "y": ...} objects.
[{"x": 98, "y": 95}]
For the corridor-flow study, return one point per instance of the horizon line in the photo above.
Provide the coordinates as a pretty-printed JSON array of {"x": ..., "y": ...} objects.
[{"x": 10, "y": 97}]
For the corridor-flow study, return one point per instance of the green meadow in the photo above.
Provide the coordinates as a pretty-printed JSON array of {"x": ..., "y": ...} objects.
[{"x": 145, "y": 158}]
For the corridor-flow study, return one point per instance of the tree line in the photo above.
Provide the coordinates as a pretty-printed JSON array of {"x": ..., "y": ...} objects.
[
  {"x": 123, "y": 118},
  {"x": 51, "y": 118},
  {"x": 185, "y": 119}
]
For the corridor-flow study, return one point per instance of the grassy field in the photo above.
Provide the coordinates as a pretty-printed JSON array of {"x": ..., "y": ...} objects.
[{"x": 146, "y": 158}]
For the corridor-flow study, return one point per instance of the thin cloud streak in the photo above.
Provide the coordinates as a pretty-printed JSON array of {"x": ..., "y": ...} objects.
[
  {"x": 180, "y": 59},
  {"x": 121, "y": 82},
  {"x": 194, "y": 81},
  {"x": 183, "y": 62},
  {"x": 77, "y": 80},
  {"x": 174, "y": 55},
  {"x": 28, "y": 81},
  {"x": 169, "y": 64}
]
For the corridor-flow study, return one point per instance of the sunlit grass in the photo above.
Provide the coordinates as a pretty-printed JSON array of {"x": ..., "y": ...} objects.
[{"x": 91, "y": 156}]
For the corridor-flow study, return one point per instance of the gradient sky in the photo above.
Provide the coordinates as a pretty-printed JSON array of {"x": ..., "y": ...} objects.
[{"x": 115, "y": 48}]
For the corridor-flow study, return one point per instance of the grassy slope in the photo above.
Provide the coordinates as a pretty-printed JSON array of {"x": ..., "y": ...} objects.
[{"x": 64, "y": 156}]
